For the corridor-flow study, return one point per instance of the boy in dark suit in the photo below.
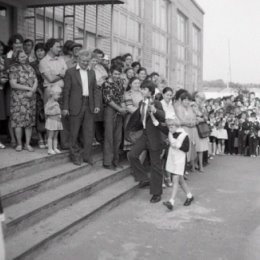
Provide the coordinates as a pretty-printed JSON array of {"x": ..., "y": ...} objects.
[{"x": 150, "y": 140}]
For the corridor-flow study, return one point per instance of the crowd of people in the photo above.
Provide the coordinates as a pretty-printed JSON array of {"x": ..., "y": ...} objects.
[{"x": 71, "y": 98}]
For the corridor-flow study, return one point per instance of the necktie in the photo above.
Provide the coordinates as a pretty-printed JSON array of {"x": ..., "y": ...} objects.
[{"x": 143, "y": 114}]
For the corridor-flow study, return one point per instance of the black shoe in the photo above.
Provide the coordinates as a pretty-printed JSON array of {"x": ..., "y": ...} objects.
[
  {"x": 77, "y": 162},
  {"x": 168, "y": 205},
  {"x": 155, "y": 198},
  {"x": 90, "y": 162},
  {"x": 188, "y": 201},
  {"x": 109, "y": 167},
  {"x": 143, "y": 184}
]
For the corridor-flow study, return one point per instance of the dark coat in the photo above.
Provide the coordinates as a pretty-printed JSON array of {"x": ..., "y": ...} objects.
[
  {"x": 72, "y": 95},
  {"x": 153, "y": 133}
]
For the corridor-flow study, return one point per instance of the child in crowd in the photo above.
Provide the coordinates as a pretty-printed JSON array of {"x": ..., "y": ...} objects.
[
  {"x": 221, "y": 135},
  {"x": 213, "y": 135},
  {"x": 53, "y": 120},
  {"x": 176, "y": 160},
  {"x": 253, "y": 135}
]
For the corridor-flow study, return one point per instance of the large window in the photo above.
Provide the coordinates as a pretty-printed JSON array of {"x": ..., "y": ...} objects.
[
  {"x": 159, "y": 42},
  {"x": 136, "y": 6},
  {"x": 126, "y": 27},
  {"x": 160, "y": 14},
  {"x": 182, "y": 40},
  {"x": 160, "y": 64},
  {"x": 196, "y": 54},
  {"x": 127, "y": 34}
]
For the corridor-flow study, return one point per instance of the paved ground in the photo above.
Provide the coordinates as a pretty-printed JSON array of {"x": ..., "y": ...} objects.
[{"x": 223, "y": 223}]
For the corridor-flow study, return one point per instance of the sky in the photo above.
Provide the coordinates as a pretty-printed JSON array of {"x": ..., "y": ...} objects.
[{"x": 233, "y": 23}]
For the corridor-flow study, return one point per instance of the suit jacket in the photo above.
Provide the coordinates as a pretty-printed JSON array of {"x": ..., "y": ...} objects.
[
  {"x": 72, "y": 94},
  {"x": 153, "y": 133}
]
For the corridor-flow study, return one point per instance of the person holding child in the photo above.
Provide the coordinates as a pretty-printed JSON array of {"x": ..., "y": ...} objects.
[
  {"x": 53, "y": 120},
  {"x": 178, "y": 147}
]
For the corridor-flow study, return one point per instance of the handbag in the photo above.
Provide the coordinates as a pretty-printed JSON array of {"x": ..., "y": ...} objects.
[{"x": 203, "y": 130}]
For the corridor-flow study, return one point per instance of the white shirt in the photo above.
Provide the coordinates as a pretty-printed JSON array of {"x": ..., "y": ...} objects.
[
  {"x": 84, "y": 80},
  {"x": 145, "y": 104}
]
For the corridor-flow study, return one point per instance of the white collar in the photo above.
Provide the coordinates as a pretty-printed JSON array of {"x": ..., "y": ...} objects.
[{"x": 79, "y": 68}]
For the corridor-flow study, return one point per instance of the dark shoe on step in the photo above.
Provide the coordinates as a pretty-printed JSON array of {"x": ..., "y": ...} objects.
[
  {"x": 109, "y": 167},
  {"x": 168, "y": 205},
  {"x": 90, "y": 162},
  {"x": 155, "y": 198},
  {"x": 188, "y": 201},
  {"x": 143, "y": 184},
  {"x": 76, "y": 162}
]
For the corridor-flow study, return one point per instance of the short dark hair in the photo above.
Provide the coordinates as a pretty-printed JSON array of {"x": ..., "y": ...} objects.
[
  {"x": 142, "y": 69},
  {"x": 135, "y": 63},
  {"x": 13, "y": 39},
  {"x": 179, "y": 92},
  {"x": 126, "y": 55},
  {"x": 130, "y": 82},
  {"x": 39, "y": 45},
  {"x": 50, "y": 43},
  {"x": 29, "y": 40},
  {"x": 116, "y": 67},
  {"x": 185, "y": 95},
  {"x": 154, "y": 74},
  {"x": 117, "y": 61},
  {"x": 167, "y": 89},
  {"x": 66, "y": 47},
  {"x": 150, "y": 85},
  {"x": 127, "y": 69},
  {"x": 98, "y": 51}
]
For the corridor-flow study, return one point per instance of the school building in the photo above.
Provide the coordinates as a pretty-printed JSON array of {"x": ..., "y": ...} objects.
[{"x": 164, "y": 35}]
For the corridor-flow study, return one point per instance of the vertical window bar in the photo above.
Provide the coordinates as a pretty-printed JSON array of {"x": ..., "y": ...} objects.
[
  {"x": 111, "y": 29},
  {"x": 53, "y": 21},
  {"x": 34, "y": 23},
  {"x": 44, "y": 24},
  {"x": 74, "y": 19},
  {"x": 84, "y": 27},
  {"x": 96, "y": 38},
  {"x": 63, "y": 22}
]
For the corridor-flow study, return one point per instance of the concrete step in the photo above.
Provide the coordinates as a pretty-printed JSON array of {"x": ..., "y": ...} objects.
[
  {"x": 26, "y": 168},
  {"x": 31, "y": 242},
  {"x": 19, "y": 189},
  {"x": 28, "y": 212}
]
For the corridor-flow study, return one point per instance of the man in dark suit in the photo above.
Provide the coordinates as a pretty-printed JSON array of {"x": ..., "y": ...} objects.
[
  {"x": 81, "y": 101},
  {"x": 150, "y": 140}
]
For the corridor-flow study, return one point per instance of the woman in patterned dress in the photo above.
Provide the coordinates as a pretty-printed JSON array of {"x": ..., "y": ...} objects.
[{"x": 24, "y": 83}]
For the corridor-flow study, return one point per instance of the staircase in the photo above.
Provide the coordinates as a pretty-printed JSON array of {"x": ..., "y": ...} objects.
[{"x": 48, "y": 198}]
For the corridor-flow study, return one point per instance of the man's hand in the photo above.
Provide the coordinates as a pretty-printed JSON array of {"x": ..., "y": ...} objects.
[
  {"x": 152, "y": 109},
  {"x": 65, "y": 112},
  {"x": 96, "y": 110},
  {"x": 123, "y": 111}
]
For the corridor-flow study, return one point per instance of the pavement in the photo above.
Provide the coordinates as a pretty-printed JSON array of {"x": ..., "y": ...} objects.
[{"x": 223, "y": 223}]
